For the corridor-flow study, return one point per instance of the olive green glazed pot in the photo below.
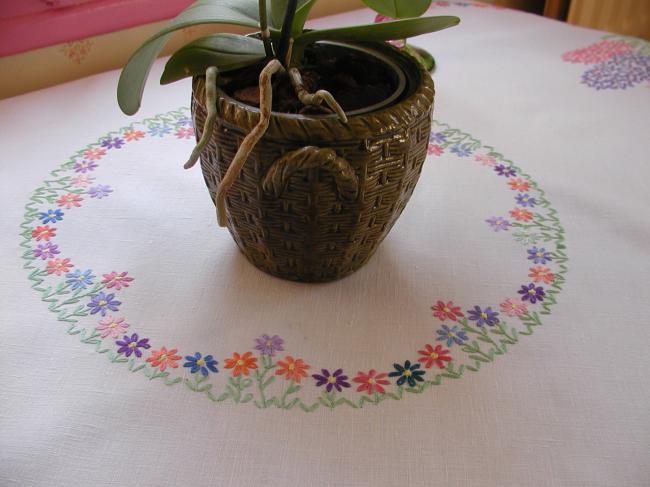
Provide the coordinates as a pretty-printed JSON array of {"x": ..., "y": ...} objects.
[{"x": 316, "y": 196}]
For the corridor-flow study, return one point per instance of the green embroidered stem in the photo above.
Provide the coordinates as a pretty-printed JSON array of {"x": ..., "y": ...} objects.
[
  {"x": 262, "y": 384},
  {"x": 236, "y": 386},
  {"x": 292, "y": 389}
]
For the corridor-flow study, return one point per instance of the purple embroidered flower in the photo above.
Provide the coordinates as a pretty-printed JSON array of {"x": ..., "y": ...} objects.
[
  {"x": 483, "y": 316},
  {"x": 198, "y": 363},
  {"x": 132, "y": 345},
  {"x": 532, "y": 293},
  {"x": 102, "y": 302},
  {"x": 114, "y": 143},
  {"x": 51, "y": 216},
  {"x": 503, "y": 170},
  {"x": 539, "y": 255},
  {"x": 85, "y": 166},
  {"x": 437, "y": 137},
  {"x": 158, "y": 130},
  {"x": 79, "y": 280},
  {"x": 336, "y": 380},
  {"x": 618, "y": 73},
  {"x": 407, "y": 373},
  {"x": 100, "y": 191},
  {"x": 498, "y": 223},
  {"x": 46, "y": 251},
  {"x": 269, "y": 345},
  {"x": 451, "y": 335},
  {"x": 526, "y": 200},
  {"x": 461, "y": 151}
]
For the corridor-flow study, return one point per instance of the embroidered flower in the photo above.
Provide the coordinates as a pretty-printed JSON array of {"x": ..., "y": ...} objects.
[
  {"x": 94, "y": 154},
  {"x": 79, "y": 280},
  {"x": 114, "y": 143},
  {"x": 539, "y": 255},
  {"x": 498, "y": 223},
  {"x": 532, "y": 293},
  {"x": 241, "y": 363},
  {"x": 444, "y": 311},
  {"x": 435, "y": 149},
  {"x": 184, "y": 133},
  {"x": 485, "y": 160},
  {"x": 541, "y": 274},
  {"x": 110, "y": 326},
  {"x": 620, "y": 72},
  {"x": 292, "y": 369},
  {"x": 51, "y": 216},
  {"x": 451, "y": 335},
  {"x": 461, "y": 150},
  {"x": 132, "y": 345},
  {"x": 398, "y": 43},
  {"x": 70, "y": 200},
  {"x": 519, "y": 184},
  {"x": 131, "y": 135},
  {"x": 156, "y": 130},
  {"x": 82, "y": 180},
  {"x": 409, "y": 373},
  {"x": 371, "y": 382},
  {"x": 100, "y": 191},
  {"x": 526, "y": 238},
  {"x": 184, "y": 121},
  {"x": 521, "y": 215},
  {"x": 526, "y": 200},
  {"x": 117, "y": 281},
  {"x": 437, "y": 137},
  {"x": 198, "y": 363},
  {"x": 597, "y": 52},
  {"x": 336, "y": 380},
  {"x": 59, "y": 266},
  {"x": 432, "y": 356},
  {"x": 503, "y": 170},
  {"x": 46, "y": 251},
  {"x": 514, "y": 307},
  {"x": 483, "y": 316},
  {"x": 43, "y": 233},
  {"x": 100, "y": 303},
  {"x": 164, "y": 358},
  {"x": 269, "y": 345},
  {"x": 85, "y": 166}
]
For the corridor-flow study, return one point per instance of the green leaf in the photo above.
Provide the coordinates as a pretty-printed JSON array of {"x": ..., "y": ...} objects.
[
  {"x": 399, "y": 9},
  {"x": 225, "y": 51},
  {"x": 134, "y": 74},
  {"x": 278, "y": 7},
  {"x": 396, "y": 29}
]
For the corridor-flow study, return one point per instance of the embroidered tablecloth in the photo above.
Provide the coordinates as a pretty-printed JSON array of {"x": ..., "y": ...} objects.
[{"x": 498, "y": 337}]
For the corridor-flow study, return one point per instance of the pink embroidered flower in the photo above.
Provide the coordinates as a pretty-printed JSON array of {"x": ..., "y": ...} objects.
[
  {"x": 113, "y": 327},
  {"x": 185, "y": 132},
  {"x": 521, "y": 214},
  {"x": 485, "y": 160},
  {"x": 82, "y": 180},
  {"x": 43, "y": 233},
  {"x": 94, "y": 154},
  {"x": 164, "y": 358},
  {"x": 514, "y": 307},
  {"x": 435, "y": 149},
  {"x": 69, "y": 200},
  {"x": 130, "y": 135},
  {"x": 371, "y": 382},
  {"x": 117, "y": 281},
  {"x": 518, "y": 184},
  {"x": 597, "y": 52},
  {"x": 59, "y": 266},
  {"x": 444, "y": 311},
  {"x": 399, "y": 43},
  {"x": 541, "y": 273}
]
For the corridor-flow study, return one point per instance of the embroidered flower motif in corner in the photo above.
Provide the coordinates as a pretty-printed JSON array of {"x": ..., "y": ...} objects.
[{"x": 77, "y": 51}]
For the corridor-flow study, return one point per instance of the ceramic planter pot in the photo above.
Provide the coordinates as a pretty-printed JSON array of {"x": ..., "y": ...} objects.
[{"x": 316, "y": 197}]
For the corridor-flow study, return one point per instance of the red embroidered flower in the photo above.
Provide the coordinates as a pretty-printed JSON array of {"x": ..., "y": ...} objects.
[
  {"x": 44, "y": 233},
  {"x": 597, "y": 52},
  {"x": 444, "y": 311},
  {"x": 371, "y": 382},
  {"x": 94, "y": 154},
  {"x": 59, "y": 266},
  {"x": 541, "y": 273},
  {"x": 519, "y": 184},
  {"x": 241, "y": 363},
  {"x": 70, "y": 200},
  {"x": 435, "y": 149},
  {"x": 292, "y": 369},
  {"x": 514, "y": 307},
  {"x": 485, "y": 160},
  {"x": 118, "y": 281},
  {"x": 521, "y": 214},
  {"x": 184, "y": 133},
  {"x": 164, "y": 358},
  {"x": 130, "y": 135},
  {"x": 432, "y": 356}
]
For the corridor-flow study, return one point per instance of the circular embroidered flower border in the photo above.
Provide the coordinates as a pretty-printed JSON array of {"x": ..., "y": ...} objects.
[{"x": 463, "y": 338}]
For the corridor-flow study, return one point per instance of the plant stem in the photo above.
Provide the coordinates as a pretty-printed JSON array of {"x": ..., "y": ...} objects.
[
  {"x": 285, "y": 34},
  {"x": 264, "y": 27},
  {"x": 211, "y": 106},
  {"x": 314, "y": 99}
]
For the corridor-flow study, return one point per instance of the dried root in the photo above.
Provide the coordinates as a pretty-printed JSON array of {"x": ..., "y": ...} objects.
[
  {"x": 314, "y": 99},
  {"x": 211, "y": 104}
]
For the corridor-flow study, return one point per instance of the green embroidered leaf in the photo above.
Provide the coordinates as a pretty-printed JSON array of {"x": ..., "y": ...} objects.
[
  {"x": 399, "y": 9},
  {"x": 268, "y": 382},
  {"x": 247, "y": 398}
]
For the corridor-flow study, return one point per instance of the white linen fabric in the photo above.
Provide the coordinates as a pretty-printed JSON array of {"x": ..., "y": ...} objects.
[{"x": 537, "y": 175}]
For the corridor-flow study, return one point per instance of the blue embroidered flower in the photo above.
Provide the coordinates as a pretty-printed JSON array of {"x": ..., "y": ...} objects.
[
  {"x": 503, "y": 170},
  {"x": 539, "y": 255},
  {"x": 51, "y": 216},
  {"x": 620, "y": 72},
  {"x": 461, "y": 151},
  {"x": 532, "y": 293},
  {"x": 437, "y": 137},
  {"x": 102, "y": 302},
  {"x": 483, "y": 316},
  {"x": 407, "y": 373},
  {"x": 184, "y": 120},
  {"x": 198, "y": 363},
  {"x": 526, "y": 200},
  {"x": 158, "y": 130},
  {"x": 114, "y": 143},
  {"x": 80, "y": 280},
  {"x": 451, "y": 335}
]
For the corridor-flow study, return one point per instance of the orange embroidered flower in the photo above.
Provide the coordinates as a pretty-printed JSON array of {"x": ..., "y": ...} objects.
[
  {"x": 521, "y": 214},
  {"x": 130, "y": 135},
  {"x": 371, "y": 382},
  {"x": 541, "y": 273},
  {"x": 59, "y": 266},
  {"x": 519, "y": 184},
  {"x": 43, "y": 233},
  {"x": 94, "y": 154},
  {"x": 69, "y": 200},
  {"x": 164, "y": 358},
  {"x": 241, "y": 363},
  {"x": 292, "y": 369},
  {"x": 432, "y": 356}
]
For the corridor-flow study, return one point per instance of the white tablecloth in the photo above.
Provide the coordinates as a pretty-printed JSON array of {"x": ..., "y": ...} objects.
[{"x": 536, "y": 182}]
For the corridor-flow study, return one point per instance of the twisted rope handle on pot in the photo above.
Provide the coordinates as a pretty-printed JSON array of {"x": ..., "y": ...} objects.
[{"x": 277, "y": 178}]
